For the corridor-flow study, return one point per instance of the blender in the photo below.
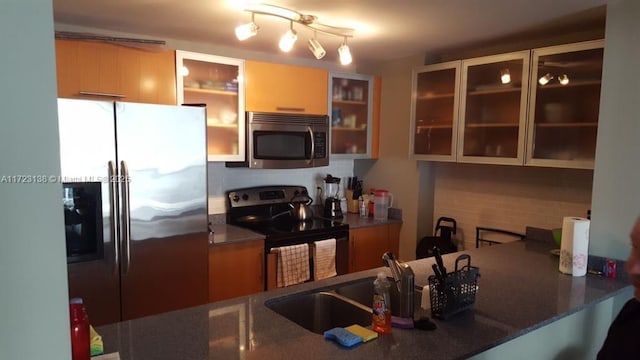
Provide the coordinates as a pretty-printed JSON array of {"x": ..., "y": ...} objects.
[{"x": 332, "y": 208}]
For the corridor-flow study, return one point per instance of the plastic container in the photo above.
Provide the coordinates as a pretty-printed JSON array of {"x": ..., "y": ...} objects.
[
  {"x": 381, "y": 322},
  {"x": 80, "y": 341},
  {"x": 382, "y": 201}
]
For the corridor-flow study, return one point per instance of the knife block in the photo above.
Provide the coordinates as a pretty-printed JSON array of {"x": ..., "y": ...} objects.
[{"x": 352, "y": 205}]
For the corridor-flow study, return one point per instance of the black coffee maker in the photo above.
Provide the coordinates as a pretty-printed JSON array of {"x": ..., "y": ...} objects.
[{"x": 332, "y": 208}]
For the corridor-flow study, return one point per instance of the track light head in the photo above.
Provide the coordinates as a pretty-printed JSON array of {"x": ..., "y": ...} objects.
[
  {"x": 288, "y": 39},
  {"x": 317, "y": 49},
  {"x": 345, "y": 53},
  {"x": 245, "y": 31}
]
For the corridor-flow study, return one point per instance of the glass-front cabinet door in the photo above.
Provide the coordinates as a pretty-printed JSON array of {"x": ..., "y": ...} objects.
[
  {"x": 565, "y": 101},
  {"x": 493, "y": 109},
  {"x": 434, "y": 111},
  {"x": 217, "y": 83},
  {"x": 350, "y": 102}
]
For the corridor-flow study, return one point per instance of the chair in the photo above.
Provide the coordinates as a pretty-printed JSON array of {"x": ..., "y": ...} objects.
[
  {"x": 443, "y": 241},
  {"x": 494, "y": 235}
]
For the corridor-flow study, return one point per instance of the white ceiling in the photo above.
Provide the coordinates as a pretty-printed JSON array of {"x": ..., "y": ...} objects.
[{"x": 385, "y": 29}]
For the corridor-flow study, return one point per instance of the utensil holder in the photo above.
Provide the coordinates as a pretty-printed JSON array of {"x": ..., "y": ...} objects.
[
  {"x": 456, "y": 292},
  {"x": 352, "y": 205}
]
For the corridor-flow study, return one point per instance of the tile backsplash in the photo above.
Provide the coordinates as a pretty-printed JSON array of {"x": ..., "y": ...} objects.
[
  {"x": 222, "y": 179},
  {"x": 508, "y": 197}
]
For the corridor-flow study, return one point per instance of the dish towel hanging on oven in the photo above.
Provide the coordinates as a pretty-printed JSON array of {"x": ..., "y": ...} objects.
[
  {"x": 324, "y": 259},
  {"x": 292, "y": 265}
]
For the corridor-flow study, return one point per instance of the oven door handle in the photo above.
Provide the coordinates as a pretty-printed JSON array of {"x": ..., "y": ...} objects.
[{"x": 313, "y": 145}]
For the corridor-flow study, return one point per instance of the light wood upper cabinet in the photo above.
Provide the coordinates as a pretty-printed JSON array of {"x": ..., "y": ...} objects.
[
  {"x": 215, "y": 82},
  {"x": 524, "y": 121},
  {"x": 236, "y": 269},
  {"x": 285, "y": 88},
  {"x": 493, "y": 109},
  {"x": 564, "y": 105},
  {"x": 354, "y": 104},
  {"x": 98, "y": 70}
]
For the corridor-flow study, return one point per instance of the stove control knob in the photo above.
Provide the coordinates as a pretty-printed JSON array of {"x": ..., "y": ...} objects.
[
  {"x": 235, "y": 198},
  {"x": 245, "y": 197}
]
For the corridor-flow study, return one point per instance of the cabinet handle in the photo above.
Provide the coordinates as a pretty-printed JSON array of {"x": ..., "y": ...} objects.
[
  {"x": 353, "y": 253},
  {"x": 93, "y": 93},
  {"x": 262, "y": 266},
  {"x": 284, "y": 108}
]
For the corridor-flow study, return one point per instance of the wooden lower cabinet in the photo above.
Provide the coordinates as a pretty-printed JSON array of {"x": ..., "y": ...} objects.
[
  {"x": 367, "y": 244},
  {"x": 236, "y": 269}
]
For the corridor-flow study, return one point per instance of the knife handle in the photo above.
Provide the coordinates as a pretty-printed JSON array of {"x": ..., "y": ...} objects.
[
  {"x": 436, "y": 271},
  {"x": 436, "y": 253}
]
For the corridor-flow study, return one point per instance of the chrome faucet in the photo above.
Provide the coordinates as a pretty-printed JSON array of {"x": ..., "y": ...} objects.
[{"x": 404, "y": 279}]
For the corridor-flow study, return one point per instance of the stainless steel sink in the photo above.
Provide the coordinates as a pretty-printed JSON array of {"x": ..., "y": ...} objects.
[
  {"x": 320, "y": 311},
  {"x": 362, "y": 291},
  {"x": 338, "y": 306}
]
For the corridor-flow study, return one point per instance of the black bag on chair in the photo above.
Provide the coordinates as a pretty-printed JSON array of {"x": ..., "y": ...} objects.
[{"x": 442, "y": 241}]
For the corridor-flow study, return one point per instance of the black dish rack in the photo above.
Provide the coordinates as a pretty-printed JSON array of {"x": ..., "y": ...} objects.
[{"x": 456, "y": 291}]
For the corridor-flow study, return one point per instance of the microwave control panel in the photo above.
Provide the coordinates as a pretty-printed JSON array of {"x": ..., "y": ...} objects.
[{"x": 320, "y": 141}]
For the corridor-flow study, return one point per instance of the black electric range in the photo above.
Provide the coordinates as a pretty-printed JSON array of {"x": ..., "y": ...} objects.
[{"x": 266, "y": 210}]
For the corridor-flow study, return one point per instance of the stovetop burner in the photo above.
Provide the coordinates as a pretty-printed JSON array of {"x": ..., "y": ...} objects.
[{"x": 254, "y": 208}]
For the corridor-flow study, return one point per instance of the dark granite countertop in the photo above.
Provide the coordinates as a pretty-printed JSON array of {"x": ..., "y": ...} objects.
[
  {"x": 520, "y": 289},
  {"x": 355, "y": 221},
  {"x": 225, "y": 234}
]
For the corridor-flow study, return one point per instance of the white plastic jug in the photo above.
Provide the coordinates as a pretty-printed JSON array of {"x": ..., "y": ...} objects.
[{"x": 382, "y": 201}]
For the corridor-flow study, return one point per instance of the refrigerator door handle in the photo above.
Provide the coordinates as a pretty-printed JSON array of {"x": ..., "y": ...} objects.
[
  {"x": 113, "y": 189},
  {"x": 126, "y": 215}
]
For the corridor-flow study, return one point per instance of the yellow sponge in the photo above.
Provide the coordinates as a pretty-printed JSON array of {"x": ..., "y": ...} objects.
[{"x": 363, "y": 332}]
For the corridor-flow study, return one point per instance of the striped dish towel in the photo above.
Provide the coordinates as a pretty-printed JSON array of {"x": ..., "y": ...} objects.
[
  {"x": 292, "y": 265},
  {"x": 324, "y": 259}
]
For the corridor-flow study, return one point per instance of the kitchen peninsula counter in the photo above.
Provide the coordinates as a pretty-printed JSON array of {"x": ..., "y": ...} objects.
[{"x": 520, "y": 290}]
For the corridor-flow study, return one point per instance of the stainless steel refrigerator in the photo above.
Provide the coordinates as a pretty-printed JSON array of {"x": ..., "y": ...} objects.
[{"x": 135, "y": 200}]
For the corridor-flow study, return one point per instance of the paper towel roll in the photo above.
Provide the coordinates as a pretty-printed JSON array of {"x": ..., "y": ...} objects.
[{"x": 575, "y": 246}]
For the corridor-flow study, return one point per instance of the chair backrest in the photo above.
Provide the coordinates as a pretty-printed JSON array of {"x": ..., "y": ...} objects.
[
  {"x": 426, "y": 244},
  {"x": 445, "y": 231},
  {"x": 485, "y": 235}
]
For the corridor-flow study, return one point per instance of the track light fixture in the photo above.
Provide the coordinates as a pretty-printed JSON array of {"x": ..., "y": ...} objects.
[
  {"x": 287, "y": 41},
  {"x": 245, "y": 31}
]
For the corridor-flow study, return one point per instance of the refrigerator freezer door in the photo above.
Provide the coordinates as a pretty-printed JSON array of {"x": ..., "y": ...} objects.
[
  {"x": 164, "y": 260},
  {"x": 87, "y": 145}
]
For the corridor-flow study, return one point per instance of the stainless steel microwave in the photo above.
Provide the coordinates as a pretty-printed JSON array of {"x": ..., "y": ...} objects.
[{"x": 285, "y": 141}]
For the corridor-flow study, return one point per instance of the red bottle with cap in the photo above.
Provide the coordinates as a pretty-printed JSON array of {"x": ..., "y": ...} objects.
[{"x": 80, "y": 347}]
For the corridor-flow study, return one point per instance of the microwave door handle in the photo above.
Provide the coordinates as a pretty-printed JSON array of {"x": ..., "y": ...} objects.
[
  {"x": 113, "y": 189},
  {"x": 126, "y": 216},
  {"x": 313, "y": 145}
]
